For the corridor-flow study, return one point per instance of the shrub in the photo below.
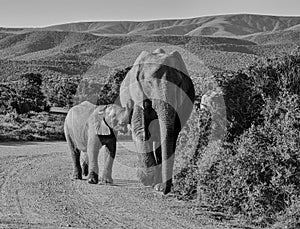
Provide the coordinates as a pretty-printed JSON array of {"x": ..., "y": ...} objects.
[
  {"x": 259, "y": 175},
  {"x": 60, "y": 92},
  {"x": 7, "y": 96},
  {"x": 29, "y": 93},
  {"x": 255, "y": 171},
  {"x": 290, "y": 218},
  {"x": 245, "y": 91},
  {"x": 195, "y": 135},
  {"x": 99, "y": 93},
  {"x": 192, "y": 138},
  {"x": 243, "y": 102},
  {"x": 109, "y": 93}
]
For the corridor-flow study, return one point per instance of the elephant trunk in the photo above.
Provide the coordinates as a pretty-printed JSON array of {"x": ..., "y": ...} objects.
[
  {"x": 147, "y": 162},
  {"x": 166, "y": 116}
]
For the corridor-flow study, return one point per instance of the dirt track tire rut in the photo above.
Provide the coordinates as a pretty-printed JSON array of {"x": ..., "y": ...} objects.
[{"x": 36, "y": 192}]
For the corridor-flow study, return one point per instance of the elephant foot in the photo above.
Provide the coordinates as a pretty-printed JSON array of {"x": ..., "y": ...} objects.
[
  {"x": 106, "y": 180},
  {"x": 93, "y": 178},
  {"x": 85, "y": 168},
  {"x": 165, "y": 188},
  {"x": 77, "y": 174}
]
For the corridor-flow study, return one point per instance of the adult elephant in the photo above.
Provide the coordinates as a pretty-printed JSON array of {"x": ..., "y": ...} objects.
[
  {"x": 163, "y": 96},
  {"x": 87, "y": 128}
]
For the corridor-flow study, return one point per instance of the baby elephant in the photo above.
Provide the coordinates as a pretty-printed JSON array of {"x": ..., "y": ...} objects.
[{"x": 87, "y": 128}]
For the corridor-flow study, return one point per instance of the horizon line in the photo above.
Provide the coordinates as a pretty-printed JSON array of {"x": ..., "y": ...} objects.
[{"x": 143, "y": 20}]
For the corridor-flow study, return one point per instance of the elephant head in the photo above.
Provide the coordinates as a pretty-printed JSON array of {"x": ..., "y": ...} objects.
[
  {"x": 163, "y": 96},
  {"x": 112, "y": 118}
]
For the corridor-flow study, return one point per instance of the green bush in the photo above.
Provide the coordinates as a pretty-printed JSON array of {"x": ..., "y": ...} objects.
[
  {"x": 7, "y": 96},
  {"x": 259, "y": 174},
  {"x": 245, "y": 91},
  {"x": 109, "y": 93},
  {"x": 192, "y": 138},
  {"x": 29, "y": 93},
  {"x": 290, "y": 218},
  {"x": 255, "y": 171},
  {"x": 60, "y": 91},
  {"x": 243, "y": 102},
  {"x": 99, "y": 93}
]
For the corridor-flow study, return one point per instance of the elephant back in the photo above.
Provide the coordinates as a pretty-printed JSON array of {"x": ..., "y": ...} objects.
[{"x": 144, "y": 79}]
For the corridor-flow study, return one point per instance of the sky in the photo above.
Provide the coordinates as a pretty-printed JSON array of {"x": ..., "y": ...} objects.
[{"x": 39, "y": 13}]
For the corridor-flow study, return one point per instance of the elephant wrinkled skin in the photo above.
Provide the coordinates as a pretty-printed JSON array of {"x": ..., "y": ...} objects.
[
  {"x": 89, "y": 127},
  {"x": 163, "y": 95}
]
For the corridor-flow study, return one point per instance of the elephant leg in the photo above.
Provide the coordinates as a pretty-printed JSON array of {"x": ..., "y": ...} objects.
[
  {"x": 77, "y": 171},
  {"x": 109, "y": 152},
  {"x": 158, "y": 172},
  {"x": 93, "y": 147},
  {"x": 85, "y": 164},
  {"x": 166, "y": 187},
  {"x": 166, "y": 116},
  {"x": 75, "y": 154}
]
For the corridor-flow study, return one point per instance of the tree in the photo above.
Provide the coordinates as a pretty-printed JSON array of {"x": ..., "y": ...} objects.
[
  {"x": 7, "y": 96},
  {"x": 60, "y": 93},
  {"x": 29, "y": 93},
  {"x": 110, "y": 91}
]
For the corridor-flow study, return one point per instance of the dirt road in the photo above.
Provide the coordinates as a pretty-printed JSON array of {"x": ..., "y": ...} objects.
[{"x": 36, "y": 192}]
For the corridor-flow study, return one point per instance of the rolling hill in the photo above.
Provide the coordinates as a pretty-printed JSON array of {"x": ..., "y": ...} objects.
[
  {"x": 223, "y": 42},
  {"x": 220, "y": 25}
]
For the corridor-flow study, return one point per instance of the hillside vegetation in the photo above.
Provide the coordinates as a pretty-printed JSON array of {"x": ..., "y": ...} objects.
[
  {"x": 253, "y": 170},
  {"x": 54, "y": 53}
]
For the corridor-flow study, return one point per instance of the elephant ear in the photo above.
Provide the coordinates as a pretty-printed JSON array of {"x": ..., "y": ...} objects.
[
  {"x": 101, "y": 126},
  {"x": 129, "y": 84},
  {"x": 180, "y": 65}
]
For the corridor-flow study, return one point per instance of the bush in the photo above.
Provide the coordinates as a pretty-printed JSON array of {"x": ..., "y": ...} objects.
[
  {"x": 192, "y": 138},
  {"x": 259, "y": 175},
  {"x": 290, "y": 218},
  {"x": 243, "y": 102},
  {"x": 109, "y": 93},
  {"x": 29, "y": 93},
  {"x": 7, "y": 96},
  {"x": 245, "y": 91},
  {"x": 99, "y": 93},
  {"x": 60, "y": 92},
  {"x": 255, "y": 171}
]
